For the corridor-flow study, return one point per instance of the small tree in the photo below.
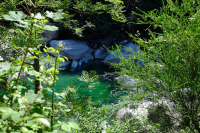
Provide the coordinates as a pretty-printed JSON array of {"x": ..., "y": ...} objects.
[{"x": 171, "y": 59}]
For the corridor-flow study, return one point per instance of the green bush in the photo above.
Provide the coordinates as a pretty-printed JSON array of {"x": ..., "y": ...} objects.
[{"x": 171, "y": 59}]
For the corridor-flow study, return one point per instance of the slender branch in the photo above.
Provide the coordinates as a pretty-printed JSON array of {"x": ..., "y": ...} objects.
[
  {"x": 52, "y": 106},
  {"x": 22, "y": 63},
  {"x": 32, "y": 3}
]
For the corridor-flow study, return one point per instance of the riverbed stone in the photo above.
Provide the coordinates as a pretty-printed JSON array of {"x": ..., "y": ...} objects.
[
  {"x": 124, "y": 52},
  {"x": 72, "y": 49},
  {"x": 74, "y": 64},
  {"x": 97, "y": 53}
]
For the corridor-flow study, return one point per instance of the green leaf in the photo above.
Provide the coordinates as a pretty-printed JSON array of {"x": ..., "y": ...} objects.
[
  {"x": 19, "y": 87},
  {"x": 65, "y": 127},
  {"x": 30, "y": 57},
  {"x": 24, "y": 130},
  {"x": 57, "y": 125},
  {"x": 50, "y": 28},
  {"x": 45, "y": 50},
  {"x": 55, "y": 16},
  {"x": 15, "y": 16},
  {"x": 6, "y": 66},
  {"x": 43, "y": 121},
  {"x": 74, "y": 125},
  {"x": 31, "y": 96},
  {"x": 15, "y": 94},
  {"x": 34, "y": 73},
  {"x": 39, "y": 16},
  {"x": 7, "y": 112}
]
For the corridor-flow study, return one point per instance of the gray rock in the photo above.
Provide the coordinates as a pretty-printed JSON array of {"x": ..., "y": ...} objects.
[
  {"x": 101, "y": 53},
  {"x": 124, "y": 52},
  {"x": 84, "y": 60},
  {"x": 97, "y": 53},
  {"x": 74, "y": 64},
  {"x": 124, "y": 42},
  {"x": 105, "y": 40},
  {"x": 148, "y": 109},
  {"x": 72, "y": 49},
  {"x": 88, "y": 55},
  {"x": 50, "y": 34},
  {"x": 79, "y": 62}
]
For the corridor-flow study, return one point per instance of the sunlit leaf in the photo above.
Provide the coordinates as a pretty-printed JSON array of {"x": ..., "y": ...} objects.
[
  {"x": 34, "y": 73},
  {"x": 6, "y": 66},
  {"x": 19, "y": 87},
  {"x": 15, "y": 16},
  {"x": 39, "y": 16},
  {"x": 43, "y": 121},
  {"x": 65, "y": 127},
  {"x": 50, "y": 28},
  {"x": 32, "y": 97},
  {"x": 55, "y": 16},
  {"x": 15, "y": 94},
  {"x": 74, "y": 125}
]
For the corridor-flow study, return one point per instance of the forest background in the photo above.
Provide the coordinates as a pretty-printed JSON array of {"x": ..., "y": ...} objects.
[{"x": 23, "y": 110}]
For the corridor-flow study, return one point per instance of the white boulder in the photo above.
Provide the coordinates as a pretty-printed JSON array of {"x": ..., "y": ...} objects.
[{"x": 72, "y": 49}]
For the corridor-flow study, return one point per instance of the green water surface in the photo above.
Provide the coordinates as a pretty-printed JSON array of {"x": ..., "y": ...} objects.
[{"x": 102, "y": 91}]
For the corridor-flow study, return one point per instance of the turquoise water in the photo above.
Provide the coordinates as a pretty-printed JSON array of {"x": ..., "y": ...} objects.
[{"x": 102, "y": 91}]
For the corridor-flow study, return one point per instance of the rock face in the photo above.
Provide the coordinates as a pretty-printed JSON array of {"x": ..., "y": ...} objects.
[
  {"x": 72, "y": 49},
  {"x": 153, "y": 111},
  {"x": 101, "y": 53},
  {"x": 124, "y": 52},
  {"x": 88, "y": 55}
]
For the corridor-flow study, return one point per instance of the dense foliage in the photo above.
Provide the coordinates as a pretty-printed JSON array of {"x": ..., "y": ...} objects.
[
  {"x": 171, "y": 59},
  {"x": 170, "y": 54}
]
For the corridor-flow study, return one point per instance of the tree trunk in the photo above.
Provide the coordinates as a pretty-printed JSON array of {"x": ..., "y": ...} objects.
[{"x": 36, "y": 61}]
